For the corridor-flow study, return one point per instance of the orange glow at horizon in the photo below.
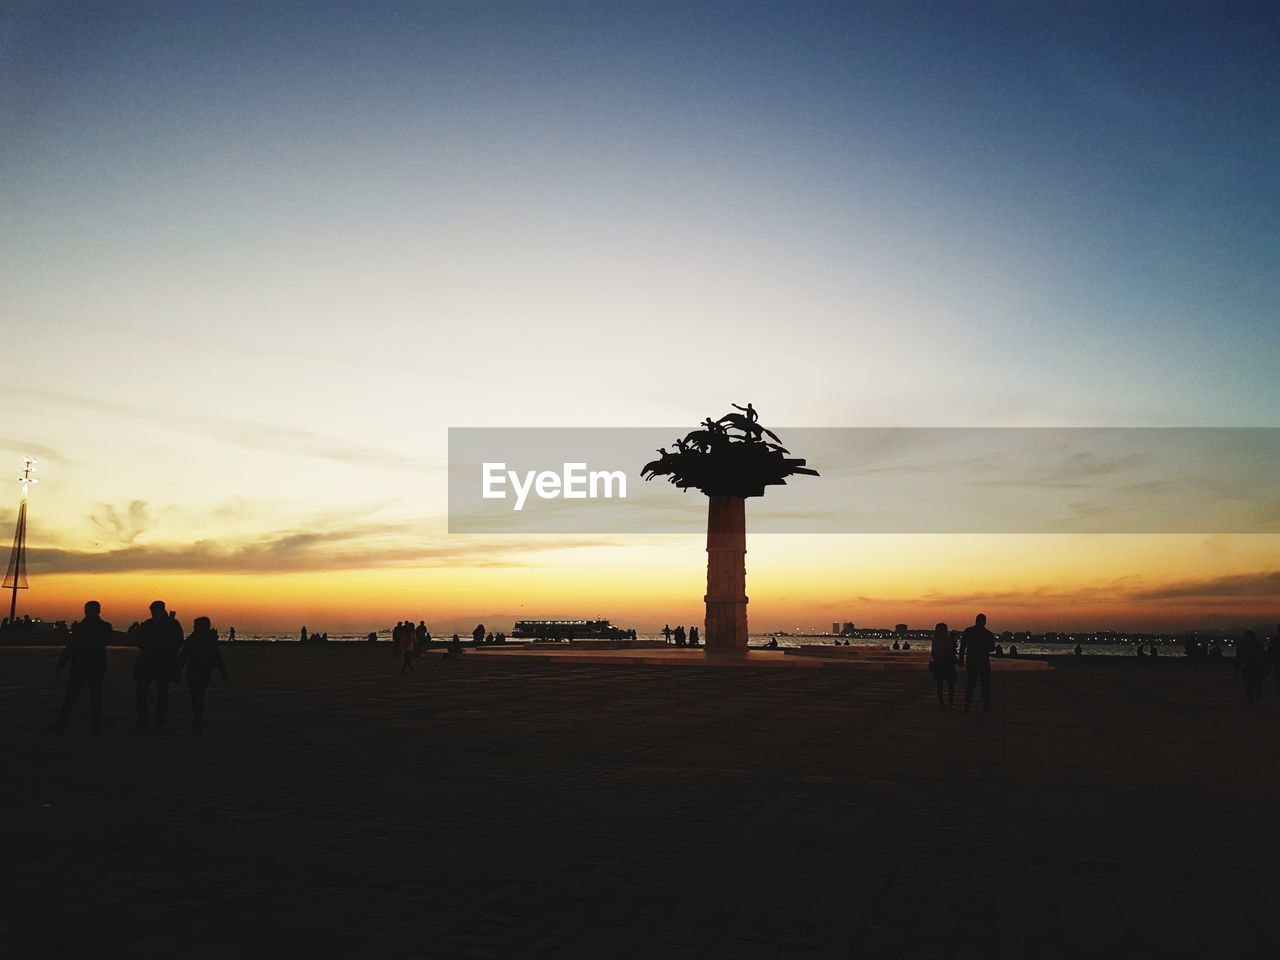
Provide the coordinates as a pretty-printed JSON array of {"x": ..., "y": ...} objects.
[{"x": 1080, "y": 582}]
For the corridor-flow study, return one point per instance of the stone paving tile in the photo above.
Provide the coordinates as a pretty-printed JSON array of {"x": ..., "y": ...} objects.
[{"x": 335, "y": 809}]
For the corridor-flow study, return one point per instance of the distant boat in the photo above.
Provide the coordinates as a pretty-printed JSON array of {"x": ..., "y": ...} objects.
[{"x": 567, "y": 630}]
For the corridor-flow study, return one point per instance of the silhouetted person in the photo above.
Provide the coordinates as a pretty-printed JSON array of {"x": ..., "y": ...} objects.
[
  {"x": 455, "y": 648},
  {"x": 679, "y": 635},
  {"x": 773, "y": 643},
  {"x": 906, "y": 644},
  {"x": 897, "y": 645},
  {"x": 231, "y": 634},
  {"x": 1079, "y": 650},
  {"x": 942, "y": 661},
  {"x": 666, "y": 633},
  {"x": 1013, "y": 649},
  {"x": 201, "y": 656},
  {"x": 420, "y": 635},
  {"x": 1251, "y": 662},
  {"x": 86, "y": 651},
  {"x": 1273, "y": 655},
  {"x": 477, "y": 635},
  {"x": 1191, "y": 650},
  {"x": 303, "y": 635},
  {"x": 693, "y": 636},
  {"x": 404, "y": 641},
  {"x": 1154, "y": 651},
  {"x": 1142, "y": 651},
  {"x": 976, "y": 645},
  {"x": 159, "y": 639}
]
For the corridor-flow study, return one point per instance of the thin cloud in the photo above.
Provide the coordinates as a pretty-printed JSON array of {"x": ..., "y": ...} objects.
[
  {"x": 297, "y": 551},
  {"x": 27, "y": 448},
  {"x": 1250, "y": 585},
  {"x": 247, "y": 433},
  {"x": 122, "y": 526}
]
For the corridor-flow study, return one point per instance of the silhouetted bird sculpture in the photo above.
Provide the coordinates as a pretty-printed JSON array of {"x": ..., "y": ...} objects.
[
  {"x": 730, "y": 457},
  {"x": 729, "y": 460}
]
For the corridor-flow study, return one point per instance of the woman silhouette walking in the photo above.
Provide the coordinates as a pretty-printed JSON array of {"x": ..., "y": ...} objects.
[{"x": 201, "y": 656}]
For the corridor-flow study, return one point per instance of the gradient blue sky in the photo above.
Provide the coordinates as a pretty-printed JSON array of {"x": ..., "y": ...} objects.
[{"x": 256, "y": 258}]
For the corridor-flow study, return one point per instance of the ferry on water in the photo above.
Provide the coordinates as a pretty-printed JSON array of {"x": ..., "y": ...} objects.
[{"x": 569, "y": 630}]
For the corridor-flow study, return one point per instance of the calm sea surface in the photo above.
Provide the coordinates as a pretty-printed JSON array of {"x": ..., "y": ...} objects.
[{"x": 759, "y": 640}]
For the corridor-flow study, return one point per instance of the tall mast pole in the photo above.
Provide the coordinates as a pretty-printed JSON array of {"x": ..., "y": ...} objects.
[{"x": 16, "y": 577}]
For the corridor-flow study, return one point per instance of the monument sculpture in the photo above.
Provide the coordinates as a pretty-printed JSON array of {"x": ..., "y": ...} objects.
[{"x": 729, "y": 460}]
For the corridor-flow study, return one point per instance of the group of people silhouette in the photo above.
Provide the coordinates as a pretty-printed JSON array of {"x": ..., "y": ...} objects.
[
  {"x": 164, "y": 656},
  {"x": 679, "y": 637},
  {"x": 408, "y": 641}
]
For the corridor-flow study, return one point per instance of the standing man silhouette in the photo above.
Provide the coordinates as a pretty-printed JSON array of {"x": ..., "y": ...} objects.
[
  {"x": 87, "y": 651},
  {"x": 159, "y": 640},
  {"x": 1273, "y": 654},
  {"x": 976, "y": 644},
  {"x": 420, "y": 636}
]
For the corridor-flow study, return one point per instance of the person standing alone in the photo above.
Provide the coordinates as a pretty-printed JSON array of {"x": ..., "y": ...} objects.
[
  {"x": 87, "y": 653},
  {"x": 976, "y": 644},
  {"x": 1251, "y": 663}
]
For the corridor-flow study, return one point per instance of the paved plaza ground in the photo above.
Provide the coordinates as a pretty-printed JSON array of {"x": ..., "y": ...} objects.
[{"x": 495, "y": 807}]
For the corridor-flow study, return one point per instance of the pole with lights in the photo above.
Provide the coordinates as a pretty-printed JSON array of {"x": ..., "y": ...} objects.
[{"x": 15, "y": 577}]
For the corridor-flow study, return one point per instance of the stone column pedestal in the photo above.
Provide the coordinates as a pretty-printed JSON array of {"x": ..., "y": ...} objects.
[{"x": 725, "y": 630}]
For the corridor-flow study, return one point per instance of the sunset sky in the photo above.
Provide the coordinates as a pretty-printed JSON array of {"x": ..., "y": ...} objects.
[{"x": 256, "y": 259}]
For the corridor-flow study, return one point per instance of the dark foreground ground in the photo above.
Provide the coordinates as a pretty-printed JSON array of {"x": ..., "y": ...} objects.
[{"x": 333, "y": 808}]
